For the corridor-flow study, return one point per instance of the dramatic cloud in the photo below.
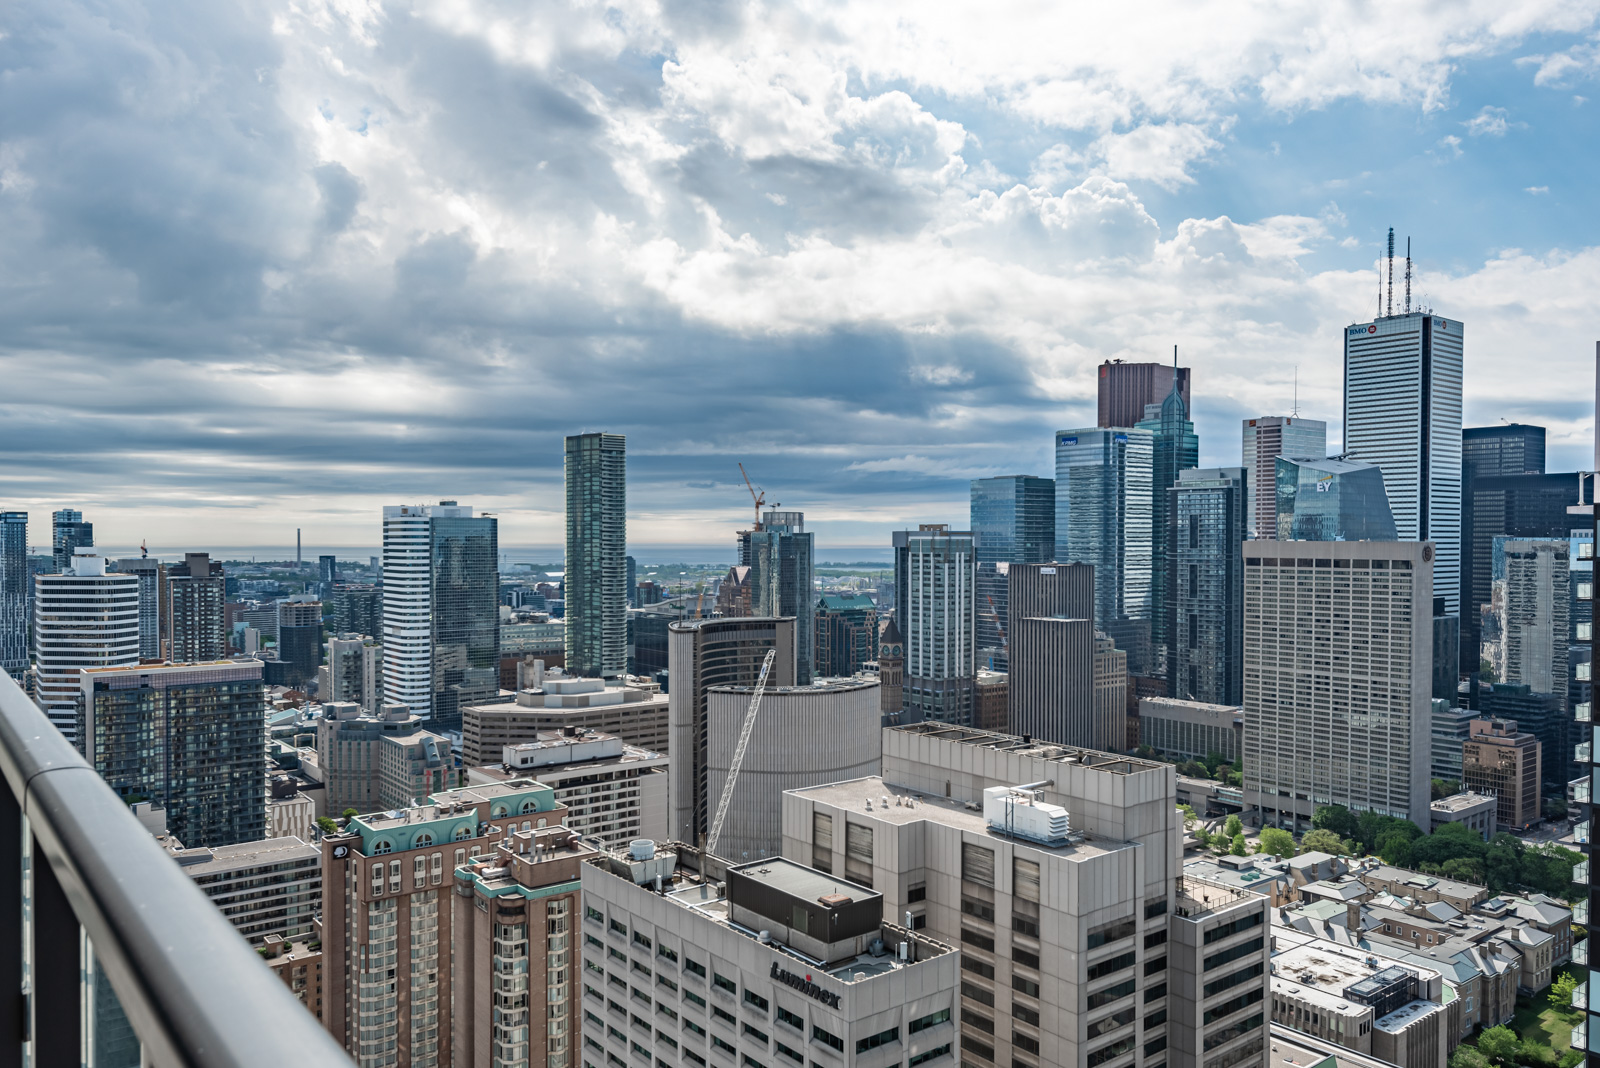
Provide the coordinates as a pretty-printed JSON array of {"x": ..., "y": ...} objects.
[{"x": 273, "y": 265}]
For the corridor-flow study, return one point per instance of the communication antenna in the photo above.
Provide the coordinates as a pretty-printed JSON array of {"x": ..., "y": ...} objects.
[
  {"x": 1408, "y": 276},
  {"x": 1391, "y": 271},
  {"x": 1294, "y": 409}
]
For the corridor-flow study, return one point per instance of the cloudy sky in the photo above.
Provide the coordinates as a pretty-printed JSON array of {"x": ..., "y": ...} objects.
[{"x": 273, "y": 265}]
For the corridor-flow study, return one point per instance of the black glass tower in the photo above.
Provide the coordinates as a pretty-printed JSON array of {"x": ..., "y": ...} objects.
[
  {"x": 1013, "y": 522},
  {"x": 1208, "y": 513},
  {"x": 466, "y": 614}
]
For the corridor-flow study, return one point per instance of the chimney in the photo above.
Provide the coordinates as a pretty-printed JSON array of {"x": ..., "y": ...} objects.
[{"x": 1352, "y": 917}]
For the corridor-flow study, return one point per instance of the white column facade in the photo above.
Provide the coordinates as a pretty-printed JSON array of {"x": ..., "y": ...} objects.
[
  {"x": 84, "y": 618},
  {"x": 408, "y": 608}
]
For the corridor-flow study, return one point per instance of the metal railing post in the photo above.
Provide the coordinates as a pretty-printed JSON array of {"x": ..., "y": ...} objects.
[
  {"x": 57, "y": 996},
  {"x": 12, "y": 1003}
]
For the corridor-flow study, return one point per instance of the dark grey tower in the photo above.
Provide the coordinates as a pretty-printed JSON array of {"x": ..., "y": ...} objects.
[
  {"x": 597, "y": 542},
  {"x": 1205, "y": 538},
  {"x": 68, "y": 532},
  {"x": 1013, "y": 521},
  {"x": 16, "y": 589},
  {"x": 1051, "y": 694}
]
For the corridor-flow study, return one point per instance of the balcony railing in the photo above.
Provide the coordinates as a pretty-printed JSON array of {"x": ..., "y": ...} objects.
[
  {"x": 1580, "y": 1034},
  {"x": 1580, "y": 711},
  {"x": 1581, "y": 791},
  {"x": 1582, "y": 671},
  {"x": 1580, "y": 952},
  {"x": 1580, "y": 833},
  {"x": 1580, "y": 996},
  {"x": 115, "y": 942},
  {"x": 1580, "y": 753},
  {"x": 1580, "y": 873},
  {"x": 1580, "y": 912}
]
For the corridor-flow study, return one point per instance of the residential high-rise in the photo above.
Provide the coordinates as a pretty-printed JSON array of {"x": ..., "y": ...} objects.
[
  {"x": 16, "y": 593},
  {"x": 1206, "y": 585},
  {"x": 1125, "y": 389},
  {"x": 84, "y": 618},
  {"x": 68, "y": 533},
  {"x": 190, "y": 737},
  {"x": 196, "y": 592},
  {"x": 789, "y": 964},
  {"x": 1500, "y": 760},
  {"x": 152, "y": 582},
  {"x": 441, "y": 609},
  {"x": 327, "y": 572},
  {"x": 356, "y": 608},
  {"x": 1104, "y": 518},
  {"x": 1586, "y": 876},
  {"x": 939, "y": 613},
  {"x": 846, "y": 634},
  {"x": 781, "y": 558},
  {"x": 1013, "y": 521},
  {"x": 300, "y": 640},
  {"x": 1331, "y": 500},
  {"x": 1056, "y": 870},
  {"x": 633, "y": 582},
  {"x": 379, "y": 761},
  {"x": 1174, "y": 448},
  {"x": 1051, "y": 694},
  {"x": 597, "y": 542},
  {"x": 1531, "y": 602},
  {"x": 352, "y": 671},
  {"x": 267, "y": 888},
  {"x": 1265, "y": 439},
  {"x": 703, "y": 653},
  {"x": 1402, "y": 411},
  {"x": 1337, "y": 681}
]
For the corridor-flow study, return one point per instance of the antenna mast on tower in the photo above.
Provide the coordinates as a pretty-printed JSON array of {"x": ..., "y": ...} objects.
[
  {"x": 1408, "y": 276},
  {"x": 1391, "y": 271}
]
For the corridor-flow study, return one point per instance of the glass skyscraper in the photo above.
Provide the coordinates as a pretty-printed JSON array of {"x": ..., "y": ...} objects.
[
  {"x": 782, "y": 561},
  {"x": 16, "y": 585},
  {"x": 1174, "y": 447},
  {"x": 1402, "y": 411},
  {"x": 596, "y": 574},
  {"x": 1331, "y": 500},
  {"x": 1206, "y": 593},
  {"x": 1103, "y": 517},
  {"x": 1265, "y": 439},
  {"x": 1013, "y": 522},
  {"x": 68, "y": 531}
]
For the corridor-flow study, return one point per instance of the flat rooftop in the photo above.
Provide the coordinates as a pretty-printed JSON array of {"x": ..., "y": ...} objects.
[
  {"x": 797, "y": 880},
  {"x": 204, "y": 860},
  {"x": 1460, "y": 802},
  {"x": 1014, "y": 743},
  {"x": 839, "y": 684},
  {"x": 867, "y": 796}
]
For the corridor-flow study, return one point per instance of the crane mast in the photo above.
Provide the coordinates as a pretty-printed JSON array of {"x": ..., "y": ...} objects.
[{"x": 738, "y": 753}]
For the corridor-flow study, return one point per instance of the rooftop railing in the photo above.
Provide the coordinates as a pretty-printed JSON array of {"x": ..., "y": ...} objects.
[{"x": 120, "y": 960}]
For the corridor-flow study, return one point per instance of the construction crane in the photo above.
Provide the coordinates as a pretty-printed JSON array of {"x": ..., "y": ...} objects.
[
  {"x": 738, "y": 753},
  {"x": 759, "y": 497},
  {"x": 699, "y": 602},
  {"x": 997, "y": 624}
]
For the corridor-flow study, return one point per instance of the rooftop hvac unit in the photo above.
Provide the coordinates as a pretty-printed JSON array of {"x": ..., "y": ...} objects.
[{"x": 1014, "y": 811}]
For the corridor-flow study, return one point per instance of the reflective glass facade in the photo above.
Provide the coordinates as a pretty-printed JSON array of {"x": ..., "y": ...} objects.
[
  {"x": 466, "y": 614},
  {"x": 1332, "y": 500},
  {"x": 597, "y": 568},
  {"x": 68, "y": 531},
  {"x": 1174, "y": 447},
  {"x": 782, "y": 582},
  {"x": 15, "y": 586},
  {"x": 1013, "y": 522},
  {"x": 1104, "y": 518},
  {"x": 1205, "y": 542}
]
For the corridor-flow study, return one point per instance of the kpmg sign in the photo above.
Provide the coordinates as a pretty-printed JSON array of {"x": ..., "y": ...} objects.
[
  {"x": 1068, "y": 441},
  {"x": 805, "y": 986}
]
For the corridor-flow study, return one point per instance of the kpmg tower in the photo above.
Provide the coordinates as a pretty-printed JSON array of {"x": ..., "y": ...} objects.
[
  {"x": 1402, "y": 411},
  {"x": 441, "y": 609},
  {"x": 597, "y": 551},
  {"x": 16, "y": 588},
  {"x": 1013, "y": 522}
]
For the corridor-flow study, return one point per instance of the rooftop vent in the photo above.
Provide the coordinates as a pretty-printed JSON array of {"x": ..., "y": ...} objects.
[{"x": 834, "y": 901}]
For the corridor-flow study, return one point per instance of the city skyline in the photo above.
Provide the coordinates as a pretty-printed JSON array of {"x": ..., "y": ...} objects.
[{"x": 398, "y": 326}]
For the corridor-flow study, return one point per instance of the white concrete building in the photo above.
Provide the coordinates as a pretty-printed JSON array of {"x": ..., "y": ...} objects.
[
  {"x": 613, "y": 791},
  {"x": 1338, "y": 662},
  {"x": 633, "y": 709},
  {"x": 407, "y": 603},
  {"x": 272, "y": 887},
  {"x": 765, "y": 963},
  {"x": 84, "y": 618}
]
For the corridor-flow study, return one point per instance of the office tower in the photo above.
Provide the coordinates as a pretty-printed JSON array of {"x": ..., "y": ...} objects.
[
  {"x": 300, "y": 639},
  {"x": 552, "y": 701},
  {"x": 69, "y": 533},
  {"x": 356, "y": 608},
  {"x": 703, "y": 653},
  {"x": 1500, "y": 760},
  {"x": 1498, "y": 499},
  {"x": 1206, "y": 585},
  {"x": 352, "y": 672},
  {"x": 1266, "y": 439},
  {"x": 782, "y": 969},
  {"x": 267, "y": 888},
  {"x": 1331, "y": 500},
  {"x": 1174, "y": 448},
  {"x": 193, "y": 607},
  {"x": 939, "y": 626},
  {"x": 84, "y": 618},
  {"x": 1051, "y": 690},
  {"x": 1126, "y": 388},
  {"x": 613, "y": 791},
  {"x": 847, "y": 634},
  {"x": 441, "y": 609},
  {"x": 1402, "y": 411},
  {"x": 327, "y": 572},
  {"x": 891, "y": 669},
  {"x": 596, "y": 569},
  {"x": 782, "y": 580},
  {"x": 826, "y": 732},
  {"x": 1337, "y": 706},
  {"x": 900, "y": 540},
  {"x": 1543, "y": 716},
  {"x": 1111, "y": 689},
  {"x": 991, "y": 700},
  {"x": 377, "y": 762},
  {"x": 1451, "y": 727},
  {"x": 190, "y": 737},
  {"x": 1080, "y": 942},
  {"x": 1446, "y": 652},
  {"x": 1191, "y": 730},
  {"x": 1531, "y": 602},
  {"x": 1103, "y": 518},
  {"x": 389, "y": 926},
  {"x": 16, "y": 588},
  {"x": 1013, "y": 521}
]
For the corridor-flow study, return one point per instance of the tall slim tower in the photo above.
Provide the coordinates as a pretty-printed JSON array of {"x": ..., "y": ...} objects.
[
  {"x": 597, "y": 549},
  {"x": 1206, "y": 586},
  {"x": 1174, "y": 447},
  {"x": 1402, "y": 411},
  {"x": 84, "y": 618},
  {"x": 939, "y": 626},
  {"x": 15, "y": 593},
  {"x": 1265, "y": 439},
  {"x": 782, "y": 560},
  {"x": 68, "y": 532},
  {"x": 1013, "y": 522}
]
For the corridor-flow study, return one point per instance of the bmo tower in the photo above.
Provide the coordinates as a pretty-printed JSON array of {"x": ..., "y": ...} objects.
[{"x": 1402, "y": 411}]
